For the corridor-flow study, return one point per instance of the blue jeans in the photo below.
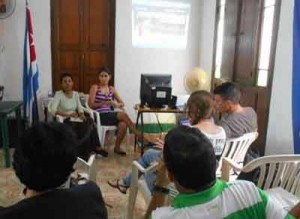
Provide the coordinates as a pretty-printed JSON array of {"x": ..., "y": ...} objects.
[{"x": 148, "y": 157}]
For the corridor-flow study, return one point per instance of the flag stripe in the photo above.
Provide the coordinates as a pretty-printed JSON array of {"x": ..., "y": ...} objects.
[{"x": 30, "y": 72}]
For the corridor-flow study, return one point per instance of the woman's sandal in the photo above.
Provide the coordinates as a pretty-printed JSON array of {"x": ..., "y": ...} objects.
[{"x": 117, "y": 185}]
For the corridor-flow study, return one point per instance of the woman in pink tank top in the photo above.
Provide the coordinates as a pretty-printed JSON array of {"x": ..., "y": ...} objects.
[{"x": 104, "y": 98}]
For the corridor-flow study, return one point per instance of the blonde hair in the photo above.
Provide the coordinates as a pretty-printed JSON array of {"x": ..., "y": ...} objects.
[{"x": 199, "y": 106}]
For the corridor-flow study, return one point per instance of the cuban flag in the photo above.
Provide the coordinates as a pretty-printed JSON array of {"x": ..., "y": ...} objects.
[{"x": 30, "y": 72}]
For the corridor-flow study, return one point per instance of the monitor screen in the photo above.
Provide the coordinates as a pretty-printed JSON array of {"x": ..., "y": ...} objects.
[{"x": 155, "y": 90}]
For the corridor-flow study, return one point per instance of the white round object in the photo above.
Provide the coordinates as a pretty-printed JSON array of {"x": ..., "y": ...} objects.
[
  {"x": 195, "y": 80},
  {"x": 7, "y": 8}
]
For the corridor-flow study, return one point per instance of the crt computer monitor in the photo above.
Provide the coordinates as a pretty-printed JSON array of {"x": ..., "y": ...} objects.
[{"x": 155, "y": 90}]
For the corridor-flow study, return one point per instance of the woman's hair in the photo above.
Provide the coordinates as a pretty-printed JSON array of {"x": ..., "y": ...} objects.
[
  {"x": 199, "y": 106},
  {"x": 105, "y": 69},
  {"x": 190, "y": 157},
  {"x": 45, "y": 156},
  {"x": 64, "y": 75}
]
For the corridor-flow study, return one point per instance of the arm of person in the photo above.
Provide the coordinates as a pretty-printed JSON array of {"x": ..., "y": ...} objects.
[
  {"x": 158, "y": 194},
  {"x": 119, "y": 102},
  {"x": 295, "y": 211},
  {"x": 92, "y": 98}
]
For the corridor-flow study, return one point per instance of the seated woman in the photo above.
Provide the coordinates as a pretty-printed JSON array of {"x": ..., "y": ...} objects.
[
  {"x": 199, "y": 110},
  {"x": 104, "y": 98},
  {"x": 66, "y": 103},
  {"x": 43, "y": 162}
]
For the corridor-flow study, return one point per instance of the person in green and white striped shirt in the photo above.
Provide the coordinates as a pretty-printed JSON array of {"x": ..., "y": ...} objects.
[{"x": 191, "y": 164}]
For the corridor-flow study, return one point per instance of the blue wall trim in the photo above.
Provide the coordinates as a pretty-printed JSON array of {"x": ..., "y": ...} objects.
[{"x": 296, "y": 79}]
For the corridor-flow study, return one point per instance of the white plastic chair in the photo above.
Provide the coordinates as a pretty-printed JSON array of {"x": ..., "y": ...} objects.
[
  {"x": 274, "y": 171},
  {"x": 86, "y": 169},
  {"x": 138, "y": 183},
  {"x": 236, "y": 149},
  {"x": 102, "y": 129}
]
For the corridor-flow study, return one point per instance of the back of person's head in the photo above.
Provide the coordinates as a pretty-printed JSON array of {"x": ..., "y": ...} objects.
[
  {"x": 45, "y": 156},
  {"x": 64, "y": 75},
  {"x": 228, "y": 91},
  {"x": 105, "y": 69},
  {"x": 189, "y": 156},
  {"x": 199, "y": 106}
]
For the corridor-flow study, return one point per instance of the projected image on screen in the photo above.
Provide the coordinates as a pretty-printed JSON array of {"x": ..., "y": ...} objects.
[{"x": 160, "y": 23}]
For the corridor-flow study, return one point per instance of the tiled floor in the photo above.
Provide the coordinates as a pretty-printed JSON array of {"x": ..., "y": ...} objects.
[{"x": 112, "y": 167}]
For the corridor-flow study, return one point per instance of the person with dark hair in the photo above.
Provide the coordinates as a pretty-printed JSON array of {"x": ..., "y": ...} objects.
[
  {"x": 236, "y": 120},
  {"x": 104, "y": 98},
  {"x": 66, "y": 103},
  {"x": 190, "y": 163},
  {"x": 43, "y": 162},
  {"x": 199, "y": 110}
]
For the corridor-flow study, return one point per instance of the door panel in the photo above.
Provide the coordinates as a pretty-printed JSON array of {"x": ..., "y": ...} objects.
[
  {"x": 247, "y": 42},
  {"x": 94, "y": 60},
  {"x": 96, "y": 20},
  {"x": 230, "y": 29},
  {"x": 70, "y": 61},
  {"x": 68, "y": 22}
]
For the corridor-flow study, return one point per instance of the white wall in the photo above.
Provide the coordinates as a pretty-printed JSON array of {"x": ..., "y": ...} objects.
[
  {"x": 207, "y": 31},
  {"x": 13, "y": 39},
  {"x": 131, "y": 62},
  {"x": 279, "y": 136}
]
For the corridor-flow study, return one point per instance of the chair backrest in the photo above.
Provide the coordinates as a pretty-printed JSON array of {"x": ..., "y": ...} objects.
[
  {"x": 236, "y": 148},
  {"x": 86, "y": 105},
  {"x": 277, "y": 171},
  {"x": 87, "y": 168},
  {"x": 138, "y": 183}
]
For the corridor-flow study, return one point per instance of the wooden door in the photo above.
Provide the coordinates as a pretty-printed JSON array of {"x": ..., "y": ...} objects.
[
  {"x": 83, "y": 36},
  {"x": 242, "y": 26}
]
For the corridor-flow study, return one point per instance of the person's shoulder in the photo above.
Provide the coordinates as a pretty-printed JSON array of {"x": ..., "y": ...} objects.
[
  {"x": 59, "y": 93},
  {"x": 94, "y": 87},
  {"x": 112, "y": 88},
  {"x": 242, "y": 185},
  {"x": 249, "y": 109}
]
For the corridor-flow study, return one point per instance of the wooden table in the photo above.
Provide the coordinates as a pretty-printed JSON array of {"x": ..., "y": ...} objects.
[
  {"x": 7, "y": 107},
  {"x": 141, "y": 110}
]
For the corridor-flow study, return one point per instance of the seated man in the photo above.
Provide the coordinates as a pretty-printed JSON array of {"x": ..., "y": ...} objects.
[
  {"x": 43, "y": 162},
  {"x": 191, "y": 164},
  {"x": 236, "y": 120}
]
